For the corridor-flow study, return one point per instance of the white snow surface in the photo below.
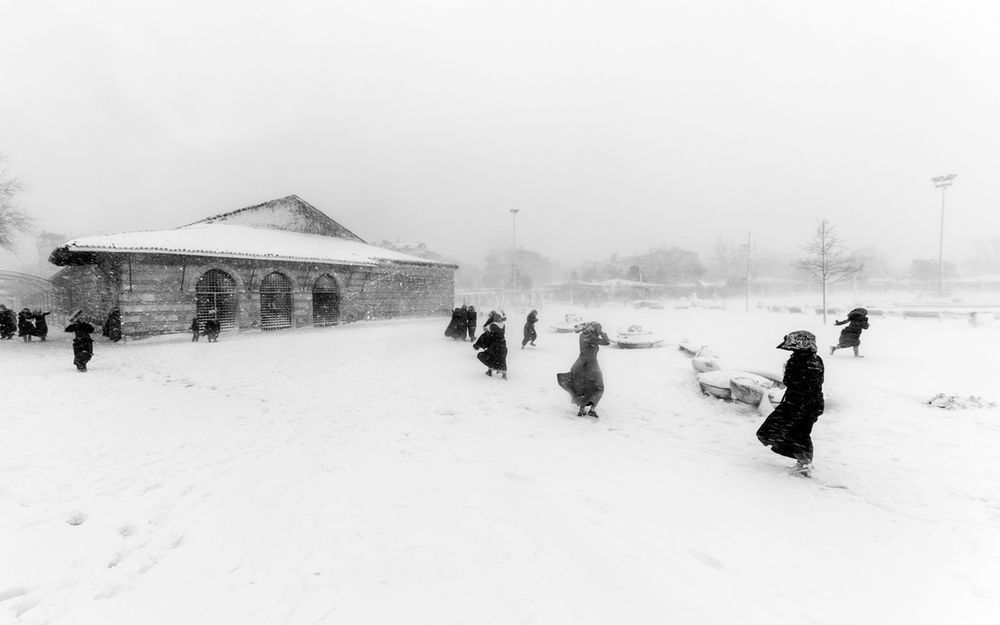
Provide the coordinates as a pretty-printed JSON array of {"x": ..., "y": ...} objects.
[
  {"x": 370, "y": 473},
  {"x": 216, "y": 239}
]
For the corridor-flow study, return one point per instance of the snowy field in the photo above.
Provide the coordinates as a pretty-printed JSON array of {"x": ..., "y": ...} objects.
[{"x": 371, "y": 473}]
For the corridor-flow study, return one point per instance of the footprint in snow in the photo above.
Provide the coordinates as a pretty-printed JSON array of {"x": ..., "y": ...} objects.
[{"x": 707, "y": 560}]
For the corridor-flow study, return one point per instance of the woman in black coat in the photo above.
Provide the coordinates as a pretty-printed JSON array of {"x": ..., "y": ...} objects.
[
  {"x": 83, "y": 345},
  {"x": 529, "y": 329},
  {"x": 113, "y": 326},
  {"x": 25, "y": 324},
  {"x": 456, "y": 327},
  {"x": 787, "y": 430},
  {"x": 850, "y": 336},
  {"x": 470, "y": 322},
  {"x": 8, "y": 323},
  {"x": 585, "y": 380},
  {"x": 493, "y": 342},
  {"x": 41, "y": 325}
]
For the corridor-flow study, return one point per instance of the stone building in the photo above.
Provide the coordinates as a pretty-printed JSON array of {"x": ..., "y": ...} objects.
[{"x": 280, "y": 264}]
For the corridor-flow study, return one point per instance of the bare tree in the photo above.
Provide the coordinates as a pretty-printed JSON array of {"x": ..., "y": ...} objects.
[
  {"x": 827, "y": 260},
  {"x": 12, "y": 220}
]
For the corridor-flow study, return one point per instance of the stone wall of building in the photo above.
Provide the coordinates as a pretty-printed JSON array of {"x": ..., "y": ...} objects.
[
  {"x": 157, "y": 293},
  {"x": 94, "y": 289}
]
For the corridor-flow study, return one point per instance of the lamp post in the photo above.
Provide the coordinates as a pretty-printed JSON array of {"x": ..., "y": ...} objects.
[
  {"x": 942, "y": 182},
  {"x": 513, "y": 254}
]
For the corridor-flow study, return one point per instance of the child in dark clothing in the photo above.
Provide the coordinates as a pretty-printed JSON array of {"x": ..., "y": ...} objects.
[
  {"x": 83, "y": 345},
  {"x": 529, "y": 329},
  {"x": 195, "y": 330}
]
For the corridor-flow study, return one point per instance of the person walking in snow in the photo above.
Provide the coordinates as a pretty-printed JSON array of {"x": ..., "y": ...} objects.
[
  {"x": 585, "y": 381},
  {"x": 493, "y": 342},
  {"x": 787, "y": 429},
  {"x": 529, "y": 329},
  {"x": 25, "y": 324},
  {"x": 83, "y": 345},
  {"x": 470, "y": 322},
  {"x": 8, "y": 323},
  {"x": 195, "y": 330},
  {"x": 212, "y": 329},
  {"x": 41, "y": 325},
  {"x": 456, "y": 324},
  {"x": 857, "y": 320},
  {"x": 113, "y": 326}
]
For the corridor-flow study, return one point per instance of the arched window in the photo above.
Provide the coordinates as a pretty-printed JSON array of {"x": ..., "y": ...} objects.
[
  {"x": 326, "y": 301},
  {"x": 215, "y": 298},
  {"x": 275, "y": 302}
]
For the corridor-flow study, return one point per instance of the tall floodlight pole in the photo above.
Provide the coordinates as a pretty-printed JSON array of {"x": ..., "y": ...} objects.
[
  {"x": 513, "y": 254},
  {"x": 942, "y": 182}
]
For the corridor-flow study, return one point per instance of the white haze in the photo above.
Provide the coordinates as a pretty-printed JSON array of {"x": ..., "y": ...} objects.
[{"x": 611, "y": 126}]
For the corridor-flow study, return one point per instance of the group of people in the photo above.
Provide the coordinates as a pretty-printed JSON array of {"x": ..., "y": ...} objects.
[
  {"x": 210, "y": 329},
  {"x": 462, "y": 324},
  {"x": 492, "y": 340},
  {"x": 26, "y": 324},
  {"x": 787, "y": 428}
]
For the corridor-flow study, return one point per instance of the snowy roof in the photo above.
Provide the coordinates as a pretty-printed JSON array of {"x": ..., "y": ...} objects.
[{"x": 236, "y": 241}]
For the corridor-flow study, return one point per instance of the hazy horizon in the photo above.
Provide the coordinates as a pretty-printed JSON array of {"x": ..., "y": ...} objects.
[{"x": 611, "y": 127}]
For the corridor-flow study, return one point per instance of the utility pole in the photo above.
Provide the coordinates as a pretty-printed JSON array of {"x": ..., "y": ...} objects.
[
  {"x": 747, "y": 249},
  {"x": 942, "y": 182},
  {"x": 513, "y": 253}
]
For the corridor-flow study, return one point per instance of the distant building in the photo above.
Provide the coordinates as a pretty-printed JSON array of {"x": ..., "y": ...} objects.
[{"x": 280, "y": 264}]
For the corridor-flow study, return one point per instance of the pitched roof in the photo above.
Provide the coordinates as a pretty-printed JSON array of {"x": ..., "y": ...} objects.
[
  {"x": 288, "y": 228},
  {"x": 288, "y": 213},
  {"x": 223, "y": 240}
]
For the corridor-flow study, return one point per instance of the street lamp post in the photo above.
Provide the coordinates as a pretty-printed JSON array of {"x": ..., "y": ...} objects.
[
  {"x": 513, "y": 254},
  {"x": 942, "y": 182}
]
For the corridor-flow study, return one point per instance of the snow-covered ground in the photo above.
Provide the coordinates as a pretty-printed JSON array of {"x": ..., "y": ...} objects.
[{"x": 371, "y": 473}]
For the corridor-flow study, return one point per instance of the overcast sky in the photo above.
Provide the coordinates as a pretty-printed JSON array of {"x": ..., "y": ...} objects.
[{"x": 611, "y": 126}]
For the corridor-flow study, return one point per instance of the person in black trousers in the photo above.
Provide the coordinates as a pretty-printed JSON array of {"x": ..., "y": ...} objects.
[
  {"x": 83, "y": 345},
  {"x": 195, "y": 330}
]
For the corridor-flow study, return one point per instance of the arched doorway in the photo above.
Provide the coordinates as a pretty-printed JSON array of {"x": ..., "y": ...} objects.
[
  {"x": 326, "y": 301},
  {"x": 275, "y": 302},
  {"x": 215, "y": 297}
]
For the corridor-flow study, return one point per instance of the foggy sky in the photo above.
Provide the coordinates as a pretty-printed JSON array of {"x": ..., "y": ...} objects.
[{"x": 612, "y": 126}]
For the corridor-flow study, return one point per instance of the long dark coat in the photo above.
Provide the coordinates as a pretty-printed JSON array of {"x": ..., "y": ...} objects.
[
  {"x": 41, "y": 325},
  {"x": 8, "y": 323},
  {"x": 113, "y": 326},
  {"x": 83, "y": 345},
  {"x": 788, "y": 430},
  {"x": 529, "y": 328},
  {"x": 585, "y": 381},
  {"x": 25, "y": 323},
  {"x": 470, "y": 322},
  {"x": 493, "y": 342},
  {"x": 456, "y": 327},
  {"x": 851, "y": 335}
]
